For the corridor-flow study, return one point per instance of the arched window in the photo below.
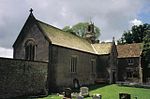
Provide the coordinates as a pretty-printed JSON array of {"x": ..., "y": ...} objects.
[{"x": 30, "y": 50}]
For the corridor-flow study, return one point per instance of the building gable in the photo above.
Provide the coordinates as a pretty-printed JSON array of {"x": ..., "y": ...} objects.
[
  {"x": 31, "y": 44},
  {"x": 29, "y": 22}
]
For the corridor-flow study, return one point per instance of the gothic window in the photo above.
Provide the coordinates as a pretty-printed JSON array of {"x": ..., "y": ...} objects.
[
  {"x": 73, "y": 64},
  {"x": 30, "y": 50}
]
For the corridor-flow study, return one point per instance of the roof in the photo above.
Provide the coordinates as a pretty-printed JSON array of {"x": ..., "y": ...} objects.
[
  {"x": 65, "y": 39},
  {"x": 102, "y": 48},
  {"x": 129, "y": 50},
  {"x": 58, "y": 37}
]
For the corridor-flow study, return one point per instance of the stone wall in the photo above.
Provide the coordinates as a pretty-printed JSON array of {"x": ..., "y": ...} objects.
[
  {"x": 61, "y": 59},
  {"x": 123, "y": 67},
  {"x": 103, "y": 68},
  {"x": 22, "y": 78}
]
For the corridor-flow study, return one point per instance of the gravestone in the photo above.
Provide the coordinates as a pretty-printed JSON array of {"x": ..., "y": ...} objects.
[
  {"x": 97, "y": 96},
  {"x": 84, "y": 91},
  {"x": 80, "y": 97},
  {"x": 67, "y": 93},
  {"x": 124, "y": 96}
]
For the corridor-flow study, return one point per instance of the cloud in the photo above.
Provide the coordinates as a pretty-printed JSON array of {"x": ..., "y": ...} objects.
[
  {"x": 111, "y": 16},
  {"x": 136, "y": 22},
  {"x": 7, "y": 53}
]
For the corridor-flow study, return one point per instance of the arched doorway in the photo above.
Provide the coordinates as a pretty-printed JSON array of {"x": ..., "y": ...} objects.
[{"x": 76, "y": 83}]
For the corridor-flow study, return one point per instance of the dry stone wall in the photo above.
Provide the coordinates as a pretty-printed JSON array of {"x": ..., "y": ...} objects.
[{"x": 22, "y": 78}]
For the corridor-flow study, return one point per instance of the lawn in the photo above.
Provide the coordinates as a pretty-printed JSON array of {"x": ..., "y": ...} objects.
[{"x": 112, "y": 92}]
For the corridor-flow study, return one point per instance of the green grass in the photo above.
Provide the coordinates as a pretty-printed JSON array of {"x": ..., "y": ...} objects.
[
  {"x": 112, "y": 92},
  {"x": 52, "y": 97}
]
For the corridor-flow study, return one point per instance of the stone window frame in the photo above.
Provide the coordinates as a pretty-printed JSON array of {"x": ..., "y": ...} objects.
[
  {"x": 93, "y": 65},
  {"x": 30, "y": 49},
  {"x": 73, "y": 63}
]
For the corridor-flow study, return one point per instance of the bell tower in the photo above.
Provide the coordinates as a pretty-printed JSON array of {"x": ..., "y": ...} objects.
[{"x": 90, "y": 33}]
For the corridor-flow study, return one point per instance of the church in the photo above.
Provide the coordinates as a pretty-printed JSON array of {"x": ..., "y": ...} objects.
[
  {"x": 71, "y": 59},
  {"x": 61, "y": 59}
]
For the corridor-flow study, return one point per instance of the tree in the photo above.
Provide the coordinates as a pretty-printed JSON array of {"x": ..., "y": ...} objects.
[
  {"x": 146, "y": 55},
  {"x": 80, "y": 29},
  {"x": 68, "y": 29},
  {"x": 136, "y": 34}
]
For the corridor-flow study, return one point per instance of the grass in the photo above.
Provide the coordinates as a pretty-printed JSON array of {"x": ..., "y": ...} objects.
[{"x": 112, "y": 92}]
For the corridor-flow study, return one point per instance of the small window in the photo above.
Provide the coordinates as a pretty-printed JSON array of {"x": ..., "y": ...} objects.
[
  {"x": 73, "y": 64},
  {"x": 130, "y": 61},
  {"x": 93, "y": 63},
  {"x": 29, "y": 50}
]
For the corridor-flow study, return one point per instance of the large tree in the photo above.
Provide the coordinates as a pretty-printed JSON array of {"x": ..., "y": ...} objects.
[
  {"x": 80, "y": 29},
  {"x": 135, "y": 35},
  {"x": 146, "y": 55}
]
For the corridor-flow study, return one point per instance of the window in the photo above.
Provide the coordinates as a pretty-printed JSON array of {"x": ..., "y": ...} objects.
[
  {"x": 130, "y": 61},
  {"x": 132, "y": 72},
  {"x": 73, "y": 64},
  {"x": 92, "y": 65},
  {"x": 29, "y": 50},
  {"x": 129, "y": 74}
]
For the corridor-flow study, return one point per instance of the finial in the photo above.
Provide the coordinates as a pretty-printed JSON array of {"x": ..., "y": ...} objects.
[
  {"x": 31, "y": 10},
  {"x": 91, "y": 20},
  {"x": 113, "y": 39}
]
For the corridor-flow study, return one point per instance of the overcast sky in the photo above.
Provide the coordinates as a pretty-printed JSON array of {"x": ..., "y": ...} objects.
[{"x": 111, "y": 16}]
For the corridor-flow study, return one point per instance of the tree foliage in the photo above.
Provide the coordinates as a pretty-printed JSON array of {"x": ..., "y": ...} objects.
[
  {"x": 80, "y": 29},
  {"x": 135, "y": 35},
  {"x": 146, "y": 55},
  {"x": 146, "y": 46}
]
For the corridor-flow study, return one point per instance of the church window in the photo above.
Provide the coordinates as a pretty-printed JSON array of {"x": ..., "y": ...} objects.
[
  {"x": 93, "y": 65},
  {"x": 73, "y": 64},
  {"x": 29, "y": 50}
]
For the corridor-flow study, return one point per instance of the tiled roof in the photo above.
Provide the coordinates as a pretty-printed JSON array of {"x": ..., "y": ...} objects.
[
  {"x": 102, "y": 48},
  {"x": 129, "y": 50},
  {"x": 65, "y": 39}
]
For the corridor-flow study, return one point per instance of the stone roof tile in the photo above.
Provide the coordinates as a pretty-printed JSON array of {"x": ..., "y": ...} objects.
[
  {"x": 103, "y": 48},
  {"x": 129, "y": 50},
  {"x": 65, "y": 39}
]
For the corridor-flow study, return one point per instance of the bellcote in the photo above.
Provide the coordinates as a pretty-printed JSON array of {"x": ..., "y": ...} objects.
[{"x": 90, "y": 33}]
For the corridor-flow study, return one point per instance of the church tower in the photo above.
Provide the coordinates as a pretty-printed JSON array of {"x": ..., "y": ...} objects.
[{"x": 90, "y": 33}]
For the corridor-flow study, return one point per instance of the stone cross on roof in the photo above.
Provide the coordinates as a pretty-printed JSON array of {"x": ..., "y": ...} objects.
[{"x": 31, "y": 10}]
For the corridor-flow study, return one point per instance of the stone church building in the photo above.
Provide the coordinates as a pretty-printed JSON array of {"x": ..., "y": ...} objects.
[
  {"x": 47, "y": 58},
  {"x": 72, "y": 60}
]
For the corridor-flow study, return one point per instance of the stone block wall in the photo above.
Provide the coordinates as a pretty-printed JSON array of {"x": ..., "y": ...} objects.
[
  {"x": 124, "y": 66},
  {"x": 22, "y": 78},
  {"x": 62, "y": 63}
]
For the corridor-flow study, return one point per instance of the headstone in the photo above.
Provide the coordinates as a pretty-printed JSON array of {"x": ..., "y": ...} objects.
[
  {"x": 84, "y": 91},
  {"x": 124, "y": 96},
  {"x": 80, "y": 97},
  {"x": 67, "y": 93},
  {"x": 97, "y": 96}
]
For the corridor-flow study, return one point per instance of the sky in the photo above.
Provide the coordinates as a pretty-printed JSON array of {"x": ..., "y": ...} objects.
[{"x": 113, "y": 17}]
